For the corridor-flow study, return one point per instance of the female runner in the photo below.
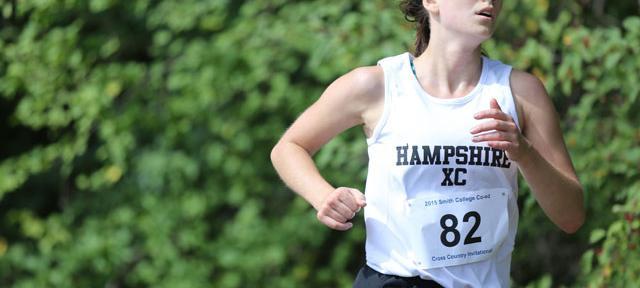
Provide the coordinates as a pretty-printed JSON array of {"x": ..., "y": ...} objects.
[{"x": 447, "y": 130}]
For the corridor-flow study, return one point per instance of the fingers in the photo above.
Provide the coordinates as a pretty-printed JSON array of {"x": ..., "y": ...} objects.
[
  {"x": 499, "y": 131},
  {"x": 347, "y": 199},
  {"x": 492, "y": 114},
  {"x": 339, "y": 207},
  {"x": 499, "y": 120},
  {"x": 497, "y": 125},
  {"x": 494, "y": 111},
  {"x": 333, "y": 224},
  {"x": 340, "y": 216},
  {"x": 359, "y": 197},
  {"x": 341, "y": 212},
  {"x": 494, "y": 136},
  {"x": 494, "y": 104},
  {"x": 334, "y": 219},
  {"x": 502, "y": 145}
]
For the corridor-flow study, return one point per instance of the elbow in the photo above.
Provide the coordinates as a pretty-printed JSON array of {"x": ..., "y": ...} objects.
[
  {"x": 577, "y": 217},
  {"x": 572, "y": 226},
  {"x": 278, "y": 153}
]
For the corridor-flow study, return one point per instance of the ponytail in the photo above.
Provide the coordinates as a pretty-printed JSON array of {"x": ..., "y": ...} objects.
[{"x": 415, "y": 12}]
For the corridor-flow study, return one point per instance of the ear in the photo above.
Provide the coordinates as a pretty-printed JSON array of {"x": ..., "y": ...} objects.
[{"x": 431, "y": 6}]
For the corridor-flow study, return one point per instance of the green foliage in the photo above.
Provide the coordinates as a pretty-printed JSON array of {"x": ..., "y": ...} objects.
[
  {"x": 136, "y": 137},
  {"x": 613, "y": 261}
]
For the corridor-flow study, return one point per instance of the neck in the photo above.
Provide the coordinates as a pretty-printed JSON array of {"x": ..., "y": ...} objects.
[{"x": 447, "y": 69}]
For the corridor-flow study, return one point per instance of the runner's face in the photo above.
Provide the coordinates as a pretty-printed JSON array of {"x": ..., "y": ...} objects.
[{"x": 472, "y": 17}]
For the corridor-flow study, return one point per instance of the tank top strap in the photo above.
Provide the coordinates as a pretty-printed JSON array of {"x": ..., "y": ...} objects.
[
  {"x": 392, "y": 68},
  {"x": 499, "y": 75}
]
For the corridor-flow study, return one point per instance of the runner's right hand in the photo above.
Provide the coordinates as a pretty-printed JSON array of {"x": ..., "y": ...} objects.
[{"x": 339, "y": 207}]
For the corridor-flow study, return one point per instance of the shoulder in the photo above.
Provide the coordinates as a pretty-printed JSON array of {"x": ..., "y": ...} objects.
[
  {"x": 362, "y": 85},
  {"x": 526, "y": 86},
  {"x": 365, "y": 80},
  {"x": 532, "y": 100},
  {"x": 371, "y": 79}
]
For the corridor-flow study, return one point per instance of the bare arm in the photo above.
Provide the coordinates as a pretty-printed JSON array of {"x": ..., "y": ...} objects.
[
  {"x": 548, "y": 168},
  {"x": 351, "y": 100},
  {"x": 539, "y": 150}
]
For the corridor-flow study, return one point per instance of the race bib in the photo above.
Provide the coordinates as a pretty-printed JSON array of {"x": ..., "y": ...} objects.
[{"x": 458, "y": 228}]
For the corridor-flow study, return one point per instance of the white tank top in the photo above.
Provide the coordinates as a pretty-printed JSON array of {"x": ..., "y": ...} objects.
[{"x": 440, "y": 206}]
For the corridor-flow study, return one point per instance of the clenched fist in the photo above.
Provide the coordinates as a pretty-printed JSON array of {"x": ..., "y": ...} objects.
[{"x": 339, "y": 207}]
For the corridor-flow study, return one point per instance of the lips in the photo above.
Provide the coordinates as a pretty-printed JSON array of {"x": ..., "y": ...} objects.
[{"x": 486, "y": 12}]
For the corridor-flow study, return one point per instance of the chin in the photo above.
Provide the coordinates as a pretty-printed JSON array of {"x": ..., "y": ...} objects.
[{"x": 483, "y": 36}]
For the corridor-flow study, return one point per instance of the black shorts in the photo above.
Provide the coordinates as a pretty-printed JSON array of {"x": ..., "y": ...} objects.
[{"x": 369, "y": 278}]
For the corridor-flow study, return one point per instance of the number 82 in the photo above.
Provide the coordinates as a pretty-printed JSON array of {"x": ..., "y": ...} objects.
[{"x": 469, "y": 239}]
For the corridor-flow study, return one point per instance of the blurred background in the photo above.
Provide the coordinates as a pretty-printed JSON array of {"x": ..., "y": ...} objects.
[{"x": 135, "y": 138}]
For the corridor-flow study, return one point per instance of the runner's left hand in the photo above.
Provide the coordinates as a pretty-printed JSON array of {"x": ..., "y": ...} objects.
[{"x": 500, "y": 132}]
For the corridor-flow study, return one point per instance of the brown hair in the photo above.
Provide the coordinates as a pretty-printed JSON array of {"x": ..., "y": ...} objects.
[{"x": 415, "y": 12}]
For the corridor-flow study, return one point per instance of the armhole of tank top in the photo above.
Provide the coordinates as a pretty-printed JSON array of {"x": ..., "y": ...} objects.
[
  {"x": 515, "y": 112},
  {"x": 386, "y": 108}
]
